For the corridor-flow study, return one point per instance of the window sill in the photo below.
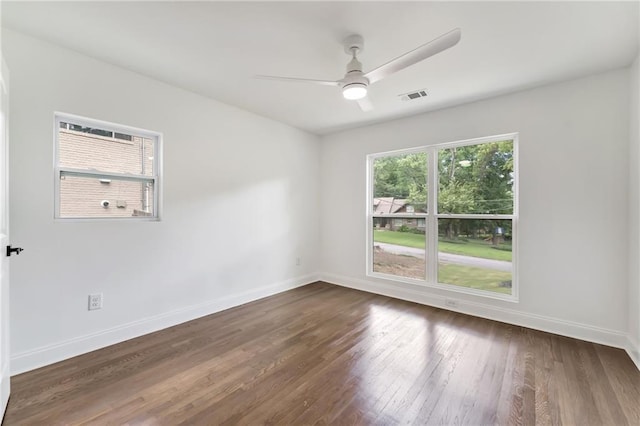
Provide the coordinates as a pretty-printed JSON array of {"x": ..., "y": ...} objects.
[
  {"x": 513, "y": 298},
  {"x": 106, "y": 219}
]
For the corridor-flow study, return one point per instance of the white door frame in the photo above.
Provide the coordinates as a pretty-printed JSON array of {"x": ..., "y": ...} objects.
[{"x": 4, "y": 239}]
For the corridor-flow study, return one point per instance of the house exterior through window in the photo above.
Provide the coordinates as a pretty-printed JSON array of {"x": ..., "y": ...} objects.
[{"x": 104, "y": 170}]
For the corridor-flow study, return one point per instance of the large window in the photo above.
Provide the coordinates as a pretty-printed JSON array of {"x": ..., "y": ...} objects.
[
  {"x": 105, "y": 170},
  {"x": 446, "y": 216}
]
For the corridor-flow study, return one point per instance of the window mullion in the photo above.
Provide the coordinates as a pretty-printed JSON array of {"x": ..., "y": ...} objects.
[
  {"x": 401, "y": 216},
  {"x": 432, "y": 230},
  {"x": 474, "y": 216},
  {"x": 65, "y": 171},
  {"x": 369, "y": 221}
]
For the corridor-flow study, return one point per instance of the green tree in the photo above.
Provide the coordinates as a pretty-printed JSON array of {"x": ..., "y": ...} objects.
[
  {"x": 472, "y": 179},
  {"x": 403, "y": 177},
  {"x": 475, "y": 179},
  {"x": 482, "y": 172}
]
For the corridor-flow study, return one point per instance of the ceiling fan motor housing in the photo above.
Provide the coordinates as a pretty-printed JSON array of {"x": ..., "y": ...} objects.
[{"x": 353, "y": 78}]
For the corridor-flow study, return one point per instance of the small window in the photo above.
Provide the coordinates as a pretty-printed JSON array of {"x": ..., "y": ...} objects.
[{"x": 105, "y": 170}]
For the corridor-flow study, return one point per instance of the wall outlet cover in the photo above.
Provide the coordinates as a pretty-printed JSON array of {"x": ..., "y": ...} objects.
[{"x": 95, "y": 301}]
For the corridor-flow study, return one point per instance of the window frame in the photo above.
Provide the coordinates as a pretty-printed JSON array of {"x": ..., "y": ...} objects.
[
  {"x": 59, "y": 171},
  {"x": 431, "y": 217}
]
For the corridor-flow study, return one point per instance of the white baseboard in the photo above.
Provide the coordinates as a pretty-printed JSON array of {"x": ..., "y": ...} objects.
[
  {"x": 538, "y": 322},
  {"x": 633, "y": 349},
  {"x": 49, "y": 354}
]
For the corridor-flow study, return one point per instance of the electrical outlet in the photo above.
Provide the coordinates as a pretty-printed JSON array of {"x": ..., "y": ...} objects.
[
  {"x": 451, "y": 303},
  {"x": 298, "y": 261},
  {"x": 95, "y": 301}
]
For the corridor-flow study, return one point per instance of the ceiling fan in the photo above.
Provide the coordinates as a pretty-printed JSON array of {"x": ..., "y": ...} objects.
[{"x": 355, "y": 83}]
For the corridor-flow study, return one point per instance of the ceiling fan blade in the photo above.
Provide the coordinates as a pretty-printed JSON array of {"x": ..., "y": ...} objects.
[
  {"x": 431, "y": 48},
  {"x": 365, "y": 104},
  {"x": 298, "y": 80}
]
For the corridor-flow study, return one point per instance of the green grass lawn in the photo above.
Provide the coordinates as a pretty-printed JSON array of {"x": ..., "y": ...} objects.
[
  {"x": 468, "y": 276},
  {"x": 474, "y": 248},
  {"x": 406, "y": 239}
]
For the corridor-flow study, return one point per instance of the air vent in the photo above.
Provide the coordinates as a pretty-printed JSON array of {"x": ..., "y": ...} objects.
[{"x": 414, "y": 95}]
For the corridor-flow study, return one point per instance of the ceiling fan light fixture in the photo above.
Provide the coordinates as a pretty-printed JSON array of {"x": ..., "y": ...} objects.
[{"x": 354, "y": 91}]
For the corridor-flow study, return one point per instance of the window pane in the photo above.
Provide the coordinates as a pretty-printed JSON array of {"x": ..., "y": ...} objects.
[
  {"x": 475, "y": 253},
  {"x": 94, "y": 149},
  {"x": 476, "y": 178},
  {"x": 399, "y": 247},
  {"x": 400, "y": 184},
  {"x": 85, "y": 197}
]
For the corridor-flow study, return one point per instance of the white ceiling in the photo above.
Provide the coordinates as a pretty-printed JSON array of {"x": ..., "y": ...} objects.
[{"x": 214, "y": 48}]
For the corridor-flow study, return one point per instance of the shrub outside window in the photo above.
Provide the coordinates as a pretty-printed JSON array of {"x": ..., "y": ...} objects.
[
  {"x": 105, "y": 170},
  {"x": 446, "y": 216}
]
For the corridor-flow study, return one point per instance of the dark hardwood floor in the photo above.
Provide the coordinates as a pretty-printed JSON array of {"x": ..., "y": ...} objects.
[{"x": 323, "y": 354}]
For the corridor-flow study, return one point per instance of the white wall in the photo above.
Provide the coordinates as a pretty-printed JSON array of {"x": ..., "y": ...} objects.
[
  {"x": 574, "y": 143},
  {"x": 634, "y": 213},
  {"x": 240, "y": 204}
]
